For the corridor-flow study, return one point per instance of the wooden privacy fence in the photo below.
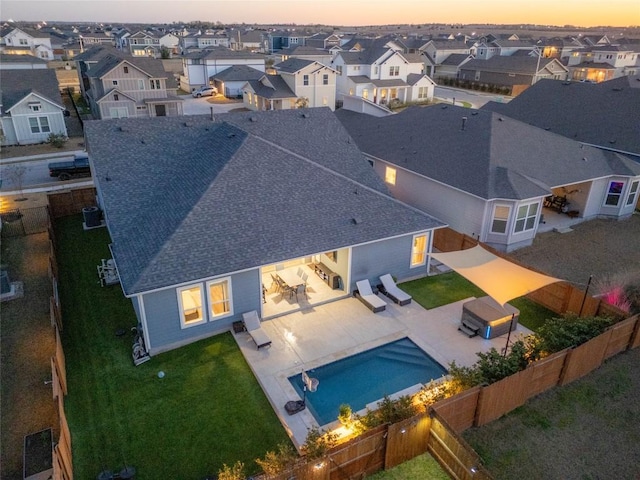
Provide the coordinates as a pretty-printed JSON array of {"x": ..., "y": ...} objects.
[
  {"x": 559, "y": 297},
  {"x": 24, "y": 221},
  {"x": 482, "y": 405},
  {"x": 62, "y": 204}
]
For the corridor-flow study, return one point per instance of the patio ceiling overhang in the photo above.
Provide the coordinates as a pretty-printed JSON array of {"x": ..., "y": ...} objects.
[{"x": 500, "y": 279}]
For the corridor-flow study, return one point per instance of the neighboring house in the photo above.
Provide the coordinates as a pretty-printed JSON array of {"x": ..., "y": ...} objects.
[
  {"x": 450, "y": 66},
  {"x": 86, "y": 60},
  {"x": 323, "y": 41},
  {"x": 198, "y": 67},
  {"x": 309, "y": 80},
  {"x": 604, "y": 62},
  {"x": 170, "y": 42},
  {"x": 21, "y": 62},
  {"x": 437, "y": 52},
  {"x": 556, "y": 47},
  {"x": 121, "y": 39},
  {"x": 145, "y": 44},
  {"x": 382, "y": 75},
  {"x": 191, "y": 254},
  {"x": 134, "y": 87},
  {"x": 26, "y": 41},
  {"x": 230, "y": 81},
  {"x": 31, "y": 107},
  {"x": 487, "y": 175},
  {"x": 250, "y": 40},
  {"x": 306, "y": 53},
  {"x": 270, "y": 92},
  {"x": 279, "y": 39},
  {"x": 605, "y": 115},
  {"x": 88, "y": 39},
  {"x": 517, "y": 72}
]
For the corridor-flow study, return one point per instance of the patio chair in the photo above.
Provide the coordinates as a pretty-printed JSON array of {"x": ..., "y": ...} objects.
[
  {"x": 366, "y": 296},
  {"x": 391, "y": 290},
  {"x": 257, "y": 334}
]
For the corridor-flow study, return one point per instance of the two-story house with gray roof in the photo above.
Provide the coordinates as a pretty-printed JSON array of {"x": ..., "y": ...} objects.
[
  {"x": 20, "y": 41},
  {"x": 490, "y": 176},
  {"x": 604, "y": 62},
  {"x": 280, "y": 188},
  {"x": 31, "y": 107},
  {"x": 133, "y": 87},
  {"x": 381, "y": 75}
]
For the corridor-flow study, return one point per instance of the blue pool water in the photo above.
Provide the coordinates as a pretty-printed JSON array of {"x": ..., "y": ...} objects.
[{"x": 366, "y": 377}]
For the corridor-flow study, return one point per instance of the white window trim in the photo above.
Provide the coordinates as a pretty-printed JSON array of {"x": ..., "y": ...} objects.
[
  {"x": 632, "y": 196},
  {"x": 183, "y": 323},
  {"x": 424, "y": 252},
  {"x": 608, "y": 192},
  {"x": 493, "y": 218},
  {"x": 526, "y": 217},
  {"x": 212, "y": 316}
]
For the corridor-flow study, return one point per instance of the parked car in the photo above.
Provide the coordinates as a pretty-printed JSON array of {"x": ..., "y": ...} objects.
[
  {"x": 205, "y": 92},
  {"x": 65, "y": 170}
]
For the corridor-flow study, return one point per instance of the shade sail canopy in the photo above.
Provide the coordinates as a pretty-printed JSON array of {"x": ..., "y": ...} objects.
[{"x": 500, "y": 279}]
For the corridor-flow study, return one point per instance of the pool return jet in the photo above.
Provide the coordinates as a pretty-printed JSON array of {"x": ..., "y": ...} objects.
[{"x": 295, "y": 406}]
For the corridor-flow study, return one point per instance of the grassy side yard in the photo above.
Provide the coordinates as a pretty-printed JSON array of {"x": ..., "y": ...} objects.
[
  {"x": 438, "y": 290},
  {"x": 585, "y": 430},
  {"x": 422, "y": 467},
  {"x": 207, "y": 410}
]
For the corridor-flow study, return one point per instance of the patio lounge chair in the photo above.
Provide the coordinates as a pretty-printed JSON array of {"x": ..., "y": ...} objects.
[
  {"x": 252, "y": 324},
  {"x": 391, "y": 290},
  {"x": 366, "y": 296}
]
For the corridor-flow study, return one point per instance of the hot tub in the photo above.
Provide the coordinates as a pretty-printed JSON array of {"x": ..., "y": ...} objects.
[{"x": 489, "y": 317}]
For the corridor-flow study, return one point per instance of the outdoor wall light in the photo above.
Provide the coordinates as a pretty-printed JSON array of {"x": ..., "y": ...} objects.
[
  {"x": 319, "y": 465},
  {"x": 404, "y": 430}
]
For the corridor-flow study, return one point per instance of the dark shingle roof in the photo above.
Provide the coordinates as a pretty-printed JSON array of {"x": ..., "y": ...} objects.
[
  {"x": 7, "y": 58},
  {"x": 524, "y": 64},
  {"x": 237, "y": 73},
  {"x": 249, "y": 189},
  {"x": 17, "y": 84},
  {"x": 605, "y": 114},
  {"x": 492, "y": 157},
  {"x": 151, "y": 66},
  {"x": 292, "y": 65},
  {"x": 96, "y": 53},
  {"x": 276, "y": 87},
  {"x": 455, "y": 59}
]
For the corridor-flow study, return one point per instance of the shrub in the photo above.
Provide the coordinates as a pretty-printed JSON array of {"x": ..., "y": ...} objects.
[
  {"x": 318, "y": 442},
  {"x": 232, "y": 473},
  {"x": 570, "y": 331},
  {"x": 493, "y": 366},
  {"x": 389, "y": 411},
  {"x": 344, "y": 414},
  {"x": 274, "y": 463},
  {"x": 56, "y": 139}
]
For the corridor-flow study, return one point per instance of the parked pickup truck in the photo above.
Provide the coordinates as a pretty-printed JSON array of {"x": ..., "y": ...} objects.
[{"x": 78, "y": 167}]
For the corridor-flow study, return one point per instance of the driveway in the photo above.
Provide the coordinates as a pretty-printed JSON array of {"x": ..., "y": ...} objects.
[{"x": 203, "y": 105}]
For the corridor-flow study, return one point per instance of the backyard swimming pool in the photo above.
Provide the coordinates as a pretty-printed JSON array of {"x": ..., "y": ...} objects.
[{"x": 366, "y": 377}]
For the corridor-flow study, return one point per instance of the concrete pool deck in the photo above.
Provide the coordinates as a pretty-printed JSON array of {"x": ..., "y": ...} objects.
[{"x": 322, "y": 334}]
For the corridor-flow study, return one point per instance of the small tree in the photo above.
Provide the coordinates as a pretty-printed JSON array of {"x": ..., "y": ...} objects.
[
  {"x": 302, "y": 102},
  {"x": 276, "y": 462},
  {"x": 57, "y": 139},
  {"x": 318, "y": 443},
  {"x": 165, "y": 53},
  {"x": 15, "y": 173},
  {"x": 236, "y": 472}
]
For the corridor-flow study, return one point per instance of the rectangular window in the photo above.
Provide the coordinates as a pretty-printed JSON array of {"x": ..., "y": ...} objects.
[
  {"x": 325, "y": 101},
  {"x": 423, "y": 92},
  {"x": 114, "y": 83},
  {"x": 325, "y": 79},
  {"x": 126, "y": 69},
  {"x": 365, "y": 93},
  {"x": 339, "y": 69},
  {"x": 140, "y": 84},
  {"x": 219, "y": 297},
  {"x": 419, "y": 251},
  {"x": 190, "y": 303},
  {"x": 394, "y": 70},
  {"x": 614, "y": 193},
  {"x": 633, "y": 192},
  {"x": 305, "y": 79},
  {"x": 500, "y": 219},
  {"x": 526, "y": 219},
  {"x": 390, "y": 175},
  {"x": 23, "y": 41},
  {"x": 116, "y": 97},
  {"x": 35, "y": 107},
  {"x": 155, "y": 84},
  {"x": 39, "y": 125}
]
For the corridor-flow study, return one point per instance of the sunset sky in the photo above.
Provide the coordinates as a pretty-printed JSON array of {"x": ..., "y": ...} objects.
[{"x": 585, "y": 13}]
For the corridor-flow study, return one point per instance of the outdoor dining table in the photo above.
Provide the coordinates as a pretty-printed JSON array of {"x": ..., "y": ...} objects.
[{"x": 290, "y": 278}]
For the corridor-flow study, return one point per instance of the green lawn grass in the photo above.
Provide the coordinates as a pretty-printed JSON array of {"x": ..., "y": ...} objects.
[
  {"x": 206, "y": 411},
  {"x": 422, "y": 467},
  {"x": 439, "y": 290}
]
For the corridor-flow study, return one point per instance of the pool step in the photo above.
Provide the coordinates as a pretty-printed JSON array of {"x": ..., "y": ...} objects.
[{"x": 407, "y": 357}]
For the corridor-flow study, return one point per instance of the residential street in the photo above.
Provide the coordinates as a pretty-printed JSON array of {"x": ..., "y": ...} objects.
[{"x": 476, "y": 99}]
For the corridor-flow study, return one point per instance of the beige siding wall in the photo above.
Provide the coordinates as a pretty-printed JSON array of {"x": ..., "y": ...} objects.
[{"x": 135, "y": 84}]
